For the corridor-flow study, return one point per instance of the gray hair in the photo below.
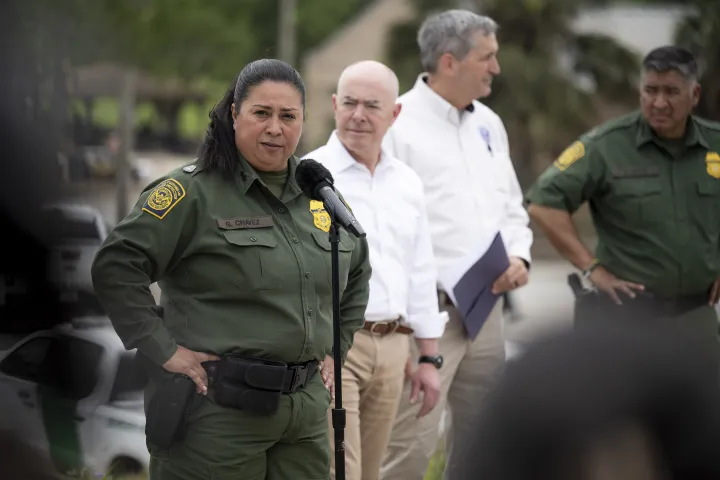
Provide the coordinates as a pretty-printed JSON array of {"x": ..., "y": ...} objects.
[{"x": 450, "y": 32}]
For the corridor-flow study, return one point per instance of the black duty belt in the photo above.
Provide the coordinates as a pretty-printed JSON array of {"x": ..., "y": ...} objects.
[
  {"x": 670, "y": 305},
  {"x": 261, "y": 374},
  {"x": 650, "y": 303},
  {"x": 253, "y": 384}
]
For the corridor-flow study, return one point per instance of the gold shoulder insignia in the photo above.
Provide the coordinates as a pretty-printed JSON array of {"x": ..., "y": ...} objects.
[
  {"x": 320, "y": 216},
  {"x": 571, "y": 155},
  {"x": 163, "y": 198},
  {"x": 712, "y": 164}
]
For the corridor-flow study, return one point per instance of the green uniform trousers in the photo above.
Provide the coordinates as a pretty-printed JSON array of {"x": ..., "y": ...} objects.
[
  {"x": 700, "y": 323},
  {"x": 224, "y": 443}
]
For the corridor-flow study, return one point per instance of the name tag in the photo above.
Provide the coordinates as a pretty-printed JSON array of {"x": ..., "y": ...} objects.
[
  {"x": 636, "y": 172},
  {"x": 245, "y": 222}
]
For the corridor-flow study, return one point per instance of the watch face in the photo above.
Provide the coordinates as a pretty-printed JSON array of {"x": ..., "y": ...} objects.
[{"x": 436, "y": 360}]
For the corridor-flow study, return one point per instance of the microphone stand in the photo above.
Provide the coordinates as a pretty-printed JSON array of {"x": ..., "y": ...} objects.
[{"x": 338, "y": 413}]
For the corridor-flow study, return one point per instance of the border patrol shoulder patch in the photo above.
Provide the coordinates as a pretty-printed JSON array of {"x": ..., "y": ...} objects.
[
  {"x": 163, "y": 198},
  {"x": 571, "y": 155}
]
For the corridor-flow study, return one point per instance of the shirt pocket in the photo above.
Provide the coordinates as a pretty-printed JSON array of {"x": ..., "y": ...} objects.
[
  {"x": 640, "y": 201},
  {"x": 706, "y": 207},
  {"x": 345, "y": 249},
  {"x": 256, "y": 253}
]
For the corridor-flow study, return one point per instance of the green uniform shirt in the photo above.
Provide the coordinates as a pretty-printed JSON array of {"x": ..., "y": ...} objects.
[
  {"x": 240, "y": 270},
  {"x": 655, "y": 205}
]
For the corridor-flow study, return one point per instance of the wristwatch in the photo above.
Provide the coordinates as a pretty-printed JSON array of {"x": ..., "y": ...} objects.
[
  {"x": 588, "y": 271},
  {"x": 436, "y": 360}
]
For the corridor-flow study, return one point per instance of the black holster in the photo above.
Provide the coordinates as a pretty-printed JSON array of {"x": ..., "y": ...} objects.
[
  {"x": 255, "y": 385},
  {"x": 174, "y": 399},
  {"x": 168, "y": 411}
]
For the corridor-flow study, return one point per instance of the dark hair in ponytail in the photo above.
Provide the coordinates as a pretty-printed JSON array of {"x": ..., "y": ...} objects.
[{"x": 218, "y": 150}]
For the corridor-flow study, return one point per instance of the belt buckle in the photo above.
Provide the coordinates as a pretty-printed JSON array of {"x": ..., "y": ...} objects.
[
  {"x": 297, "y": 372},
  {"x": 375, "y": 324},
  {"x": 392, "y": 327}
]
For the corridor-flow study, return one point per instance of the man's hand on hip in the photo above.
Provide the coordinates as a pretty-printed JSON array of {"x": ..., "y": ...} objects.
[
  {"x": 611, "y": 285},
  {"x": 425, "y": 379},
  {"x": 514, "y": 277}
]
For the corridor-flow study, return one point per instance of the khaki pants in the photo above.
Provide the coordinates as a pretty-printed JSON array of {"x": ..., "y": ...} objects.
[
  {"x": 470, "y": 370},
  {"x": 372, "y": 382}
]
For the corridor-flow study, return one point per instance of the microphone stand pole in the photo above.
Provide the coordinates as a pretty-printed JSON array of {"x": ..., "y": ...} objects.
[{"x": 338, "y": 413}]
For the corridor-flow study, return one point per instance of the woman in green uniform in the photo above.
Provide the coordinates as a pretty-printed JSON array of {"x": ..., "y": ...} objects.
[{"x": 242, "y": 257}]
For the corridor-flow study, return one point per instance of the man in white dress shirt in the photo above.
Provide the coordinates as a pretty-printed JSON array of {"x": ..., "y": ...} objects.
[
  {"x": 459, "y": 147},
  {"x": 386, "y": 197}
]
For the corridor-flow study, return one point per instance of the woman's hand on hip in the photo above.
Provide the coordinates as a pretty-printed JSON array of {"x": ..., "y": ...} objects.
[
  {"x": 327, "y": 371},
  {"x": 189, "y": 363}
]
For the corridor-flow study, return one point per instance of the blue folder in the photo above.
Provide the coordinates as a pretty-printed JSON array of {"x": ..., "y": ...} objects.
[{"x": 473, "y": 292}]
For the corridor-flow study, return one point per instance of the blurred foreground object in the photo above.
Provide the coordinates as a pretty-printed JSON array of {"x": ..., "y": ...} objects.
[
  {"x": 611, "y": 403},
  {"x": 20, "y": 461}
]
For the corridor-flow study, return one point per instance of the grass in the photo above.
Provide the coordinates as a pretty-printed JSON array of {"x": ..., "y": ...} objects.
[
  {"x": 436, "y": 465},
  {"x": 192, "y": 122}
]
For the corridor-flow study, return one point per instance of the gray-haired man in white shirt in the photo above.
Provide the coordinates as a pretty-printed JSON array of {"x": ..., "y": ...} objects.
[
  {"x": 459, "y": 148},
  {"x": 387, "y": 199}
]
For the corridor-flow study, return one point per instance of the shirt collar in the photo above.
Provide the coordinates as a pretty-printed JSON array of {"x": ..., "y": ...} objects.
[
  {"x": 245, "y": 175},
  {"x": 436, "y": 102},
  {"x": 693, "y": 135},
  {"x": 344, "y": 160}
]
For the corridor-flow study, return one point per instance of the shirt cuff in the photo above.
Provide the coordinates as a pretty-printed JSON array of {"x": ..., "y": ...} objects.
[
  {"x": 430, "y": 325},
  {"x": 159, "y": 347},
  {"x": 521, "y": 252}
]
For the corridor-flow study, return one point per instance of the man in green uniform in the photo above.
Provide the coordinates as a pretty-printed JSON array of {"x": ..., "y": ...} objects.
[
  {"x": 652, "y": 180},
  {"x": 240, "y": 271}
]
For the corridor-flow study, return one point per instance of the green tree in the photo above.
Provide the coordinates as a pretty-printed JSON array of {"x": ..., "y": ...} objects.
[
  {"x": 553, "y": 81},
  {"x": 699, "y": 31},
  {"x": 203, "y": 41},
  {"x": 193, "y": 39}
]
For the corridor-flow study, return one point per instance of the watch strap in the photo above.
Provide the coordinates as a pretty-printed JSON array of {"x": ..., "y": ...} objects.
[{"x": 588, "y": 271}]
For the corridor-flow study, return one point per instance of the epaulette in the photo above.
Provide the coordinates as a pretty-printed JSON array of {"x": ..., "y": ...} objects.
[
  {"x": 620, "y": 123},
  {"x": 705, "y": 123},
  {"x": 193, "y": 168}
]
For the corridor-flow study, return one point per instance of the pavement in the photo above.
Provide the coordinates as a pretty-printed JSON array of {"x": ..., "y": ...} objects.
[{"x": 544, "y": 305}]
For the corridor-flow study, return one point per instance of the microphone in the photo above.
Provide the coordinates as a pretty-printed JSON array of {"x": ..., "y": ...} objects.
[{"x": 316, "y": 182}]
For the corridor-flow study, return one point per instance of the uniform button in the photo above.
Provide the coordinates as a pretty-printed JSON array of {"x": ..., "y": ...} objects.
[
  {"x": 307, "y": 274},
  {"x": 308, "y": 350},
  {"x": 281, "y": 210},
  {"x": 295, "y": 239},
  {"x": 253, "y": 239},
  {"x": 310, "y": 311}
]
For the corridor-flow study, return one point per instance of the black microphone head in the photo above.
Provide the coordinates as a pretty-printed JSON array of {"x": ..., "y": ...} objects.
[{"x": 311, "y": 176}]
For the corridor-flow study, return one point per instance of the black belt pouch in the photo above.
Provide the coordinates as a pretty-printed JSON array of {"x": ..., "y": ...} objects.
[{"x": 250, "y": 384}]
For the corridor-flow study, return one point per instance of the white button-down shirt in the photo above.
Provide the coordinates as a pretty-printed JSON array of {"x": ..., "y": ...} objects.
[
  {"x": 389, "y": 204},
  {"x": 471, "y": 188}
]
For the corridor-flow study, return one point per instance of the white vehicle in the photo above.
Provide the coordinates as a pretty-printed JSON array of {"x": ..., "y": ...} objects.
[
  {"x": 76, "y": 231},
  {"x": 74, "y": 392}
]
